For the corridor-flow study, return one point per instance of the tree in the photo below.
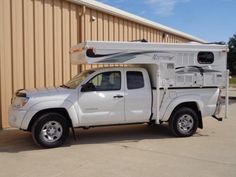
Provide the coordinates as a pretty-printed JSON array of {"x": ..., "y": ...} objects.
[{"x": 232, "y": 54}]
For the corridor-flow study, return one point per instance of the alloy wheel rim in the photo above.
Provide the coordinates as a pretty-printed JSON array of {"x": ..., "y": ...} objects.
[
  {"x": 51, "y": 131},
  {"x": 185, "y": 123}
]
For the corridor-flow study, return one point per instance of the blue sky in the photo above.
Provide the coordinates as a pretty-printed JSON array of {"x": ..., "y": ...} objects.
[{"x": 211, "y": 20}]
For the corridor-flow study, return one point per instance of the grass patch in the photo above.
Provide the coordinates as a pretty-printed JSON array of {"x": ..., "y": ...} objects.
[{"x": 232, "y": 80}]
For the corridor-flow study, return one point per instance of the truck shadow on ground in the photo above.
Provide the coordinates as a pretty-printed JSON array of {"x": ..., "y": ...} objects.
[
  {"x": 131, "y": 133},
  {"x": 13, "y": 141}
]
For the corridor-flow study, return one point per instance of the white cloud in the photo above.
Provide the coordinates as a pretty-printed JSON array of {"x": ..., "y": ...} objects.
[{"x": 164, "y": 7}]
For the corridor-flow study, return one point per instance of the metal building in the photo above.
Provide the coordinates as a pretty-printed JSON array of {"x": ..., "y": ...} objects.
[{"x": 36, "y": 35}]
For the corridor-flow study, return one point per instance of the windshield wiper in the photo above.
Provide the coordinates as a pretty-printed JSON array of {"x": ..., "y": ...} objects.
[{"x": 64, "y": 86}]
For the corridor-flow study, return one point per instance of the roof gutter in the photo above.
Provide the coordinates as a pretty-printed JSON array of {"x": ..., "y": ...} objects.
[{"x": 122, "y": 14}]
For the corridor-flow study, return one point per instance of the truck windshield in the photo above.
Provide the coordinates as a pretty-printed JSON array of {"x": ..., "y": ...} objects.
[{"x": 77, "y": 80}]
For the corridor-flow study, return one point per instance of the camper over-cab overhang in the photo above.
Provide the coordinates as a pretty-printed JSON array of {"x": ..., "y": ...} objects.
[{"x": 93, "y": 52}]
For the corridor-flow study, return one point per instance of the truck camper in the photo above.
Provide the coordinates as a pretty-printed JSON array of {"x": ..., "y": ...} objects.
[{"x": 151, "y": 83}]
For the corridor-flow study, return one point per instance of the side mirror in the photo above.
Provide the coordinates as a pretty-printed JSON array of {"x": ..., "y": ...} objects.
[{"x": 89, "y": 87}]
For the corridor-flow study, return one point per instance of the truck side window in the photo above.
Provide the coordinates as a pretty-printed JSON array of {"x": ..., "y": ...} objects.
[
  {"x": 107, "y": 81},
  {"x": 134, "y": 80}
]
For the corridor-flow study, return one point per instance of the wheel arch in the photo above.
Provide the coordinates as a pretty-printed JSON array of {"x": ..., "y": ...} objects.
[
  {"x": 196, "y": 105},
  {"x": 61, "y": 111}
]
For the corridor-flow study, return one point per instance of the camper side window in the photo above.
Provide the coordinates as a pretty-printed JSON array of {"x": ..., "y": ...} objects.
[
  {"x": 134, "y": 80},
  {"x": 205, "y": 57}
]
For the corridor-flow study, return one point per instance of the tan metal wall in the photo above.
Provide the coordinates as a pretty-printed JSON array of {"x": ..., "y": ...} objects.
[
  {"x": 111, "y": 28},
  {"x": 35, "y": 37}
]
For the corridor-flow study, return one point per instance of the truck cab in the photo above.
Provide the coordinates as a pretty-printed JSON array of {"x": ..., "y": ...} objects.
[{"x": 115, "y": 96}]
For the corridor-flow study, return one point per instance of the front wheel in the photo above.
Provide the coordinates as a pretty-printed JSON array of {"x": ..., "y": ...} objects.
[
  {"x": 184, "y": 122},
  {"x": 50, "y": 130}
]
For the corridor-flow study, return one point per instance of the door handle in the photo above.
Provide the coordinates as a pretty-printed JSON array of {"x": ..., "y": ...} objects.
[{"x": 118, "y": 96}]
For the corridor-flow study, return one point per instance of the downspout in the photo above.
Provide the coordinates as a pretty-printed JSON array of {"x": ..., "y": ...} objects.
[{"x": 82, "y": 30}]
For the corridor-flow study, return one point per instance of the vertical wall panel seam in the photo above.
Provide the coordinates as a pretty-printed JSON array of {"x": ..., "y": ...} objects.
[
  {"x": 1, "y": 58},
  {"x": 62, "y": 57},
  {"x": 131, "y": 32},
  {"x": 108, "y": 21},
  {"x": 79, "y": 31},
  {"x": 135, "y": 31},
  {"x": 123, "y": 28},
  {"x": 114, "y": 30},
  {"x": 156, "y": 35},
  {"x": 144, "y": 33},
  {"x": 1, "y": 91},
  {"x": 12, "y": 71},
  {"x": 84, "y": 30},
  {"x": 34, "y": 41},
  {"x": 138, "y": 31},
  {"x": 127, "y": 30},
  {"x": 44, "y": 46},
  {"x": 97, "y": 29},
  {"x": 70, "y": 35},
  {"x": 120, "y": 23},
  {"x": 97, "y": 26},
  {"x": 103, "y": 27},
  {"x": 84, "y": 21},
  {"x": 90, "y": 24},
  {"x": 53, "y": 43},
  {"x": 23, "y": 42},
  {"x": 118, "y": 26},
  {"x": 79, "y": 26}
]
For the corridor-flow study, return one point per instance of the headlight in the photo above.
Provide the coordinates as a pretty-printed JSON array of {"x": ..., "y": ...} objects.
[{"x": 20, "y": 102}]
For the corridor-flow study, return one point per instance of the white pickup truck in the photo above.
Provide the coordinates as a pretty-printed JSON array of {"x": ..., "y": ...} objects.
[{"x": 115, "y": 96}]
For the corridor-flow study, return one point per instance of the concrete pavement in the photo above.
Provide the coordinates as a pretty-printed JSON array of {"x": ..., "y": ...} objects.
[{"x": 127, "y": 151}]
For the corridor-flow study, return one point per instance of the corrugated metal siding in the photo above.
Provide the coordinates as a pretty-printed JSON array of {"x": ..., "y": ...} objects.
[
  {"x": 36, "y": 36},
  {"x": 111, "y": 28}
]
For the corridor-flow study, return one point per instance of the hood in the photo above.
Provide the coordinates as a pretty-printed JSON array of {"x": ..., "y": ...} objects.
[{"x": 50, "y": 91}]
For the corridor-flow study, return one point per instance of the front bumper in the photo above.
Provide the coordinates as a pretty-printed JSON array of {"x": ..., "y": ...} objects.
[{"x": 16, "y": 117}]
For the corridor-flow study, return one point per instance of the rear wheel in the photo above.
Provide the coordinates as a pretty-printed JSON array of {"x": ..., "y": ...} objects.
[
  {"x": 50, "y": 130},
  {"x": 184, "y": 122}
]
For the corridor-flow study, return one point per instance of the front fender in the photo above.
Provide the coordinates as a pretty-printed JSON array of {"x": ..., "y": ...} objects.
[
  {"x": 179, "y": 100},
  {"x": 50, "y": 105}
]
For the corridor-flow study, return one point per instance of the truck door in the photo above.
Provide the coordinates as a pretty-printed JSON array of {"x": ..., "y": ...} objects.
[
  {"x": 105, "y": 104},
  {"x": 138, "y": 97}
]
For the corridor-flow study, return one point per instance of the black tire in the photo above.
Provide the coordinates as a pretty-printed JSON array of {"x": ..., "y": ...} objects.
[
  {"x": 183, "y": 122},
  {"x": 42, "y": 127}
]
